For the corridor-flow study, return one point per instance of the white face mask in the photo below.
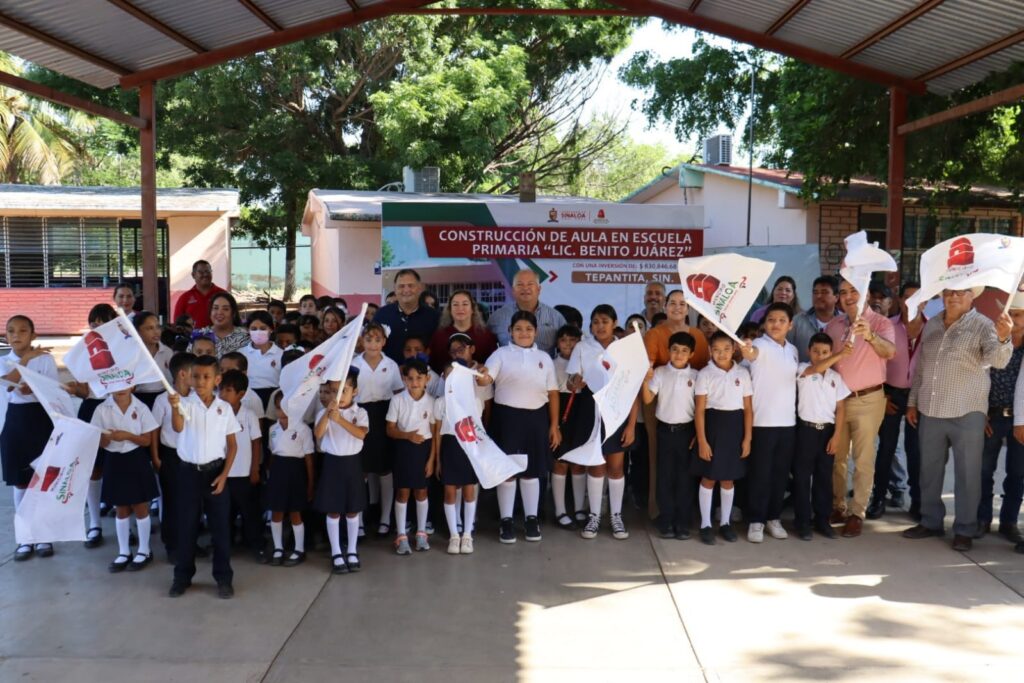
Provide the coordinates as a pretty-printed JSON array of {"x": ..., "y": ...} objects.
[{"x": 259, "y": 337}]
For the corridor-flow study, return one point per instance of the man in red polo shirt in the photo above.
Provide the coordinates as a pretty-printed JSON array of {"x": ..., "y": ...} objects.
[{"x": 196, "y": 301}]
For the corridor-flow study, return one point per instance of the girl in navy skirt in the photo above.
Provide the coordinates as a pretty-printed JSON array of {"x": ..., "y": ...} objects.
[
  {"x": 27, "y": 426},
  {"x": 341, "y": 428},
  {"x": 588, "y": 372},
  {"x": 724, "y": 418},
  {"x": 289, "y": 483},
  {"x": 129, "y": 482},
  {"x": 148, "y": 326},
  {"x": 379, "y": 380},
  {"x": 263, "y": 356},
  {"x": 409, "y": 420},
  {"x": 574, "y": 420},
  {"x": 525, "y": 418}
]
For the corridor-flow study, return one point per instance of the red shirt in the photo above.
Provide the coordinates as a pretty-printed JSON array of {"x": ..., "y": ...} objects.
[{"x": 197, "y": 305}]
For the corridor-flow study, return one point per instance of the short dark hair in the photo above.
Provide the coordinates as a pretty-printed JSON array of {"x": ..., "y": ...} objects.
[
  {"x": 572, "y": 315},
  {"x": 828, "y": 281},
  {"x": 407, "y": 271},
  {"x": 720, "y": 336},
  {"x": 569, "y": 331},
  {"x": 239, "y": 358},
  {"x": 522, "y": 315},
  {"x": 658, "y": 317},
  {"x": 207, "y": 362},
  {"x": 352, "y": 377},
  {"x": 123, "y": 285},
  {"x": 779, "y": 306},
  {"x": 292, "y": 316},
  {"x": 411, "y": 364},
  {"x": 180, "y": 361},
  {"x": 235, "y": 320},
  {"x": 879, "y": 288},
  {"x": 101, "y": 313},
  {"x": 819, "y": 338},
  {"x": 261, "y": 316},
  {"x": 200, "y": 262},
  {"x": 606, "y": 310},
  {"x": 308, "y": 297},
  {"x": 234, "y": 379},
  {"x": 749, "y": 329},
  {"x": 287, "y": 328},
  {"x": 276, "y": 303},
  {"x": 374, "y": 326},
  {"x": 310, "y": 320},
  {"x": 291, "y": 355},
  {"x": 140, "y": 318},
  {"x": 323, "y": 302},
  {"x": 909, "y": 284},
  {"x": 682, "y": 339}
]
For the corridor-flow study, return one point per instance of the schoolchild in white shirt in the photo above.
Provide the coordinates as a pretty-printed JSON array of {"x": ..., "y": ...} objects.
[
  {"x": 235, "y": 360},
  {"x": 577, "y": 421},
  {"x": 416, "y": 347},
  {"x": 524, "y": 419},
  {"x": 409, "y": 426},
  {"x": 147, "y": 324},
  {"x": 820, "y": 391},
  {"x": 723, "y": 416},
  {"x": 675, "y": 383},
  {"x": 341, "y": 427},
  {"x": 264, "y": 358},
  {"x": 165, "y": 451},
  {"x": 289, "y": 483},
  {"x": 129, "y": 482},
  {"x": 244, "y": 477}
]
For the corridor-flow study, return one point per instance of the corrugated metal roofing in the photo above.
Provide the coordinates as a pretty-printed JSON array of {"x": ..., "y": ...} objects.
[{"x": 128, "y": 199}]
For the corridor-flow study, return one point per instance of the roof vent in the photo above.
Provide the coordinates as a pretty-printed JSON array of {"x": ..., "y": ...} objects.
[
  {"x": 718, "y": 150},
  {"x": 426, "y": 179}
]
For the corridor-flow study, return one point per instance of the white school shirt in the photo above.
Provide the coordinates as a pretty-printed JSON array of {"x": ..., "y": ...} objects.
[
  {"x": 294, "y": 442},
  {"x": 137, "y": 419},
  {"x": 251, "y": 400},
  {"x": 410, "y": 415},
  {"x": 561, "y": 375},
  {"x": 204, "y": 436},
  {"x": 162, "y": 358},
  {"x": 725, "y": 390},
  {"x": 264, "y": 367},
  {"x": 674, "y": 388},
  {"x": 435, "y": 383},
  {"x": 44, "y": 365},
  {"x": 818, "y": 395},
  {"x": 162, "y": 413},
  {"x": 522, "y": 376},
  {"x": 773, "y": 378},
  {"x": 591, "y": 360},
  {"x": 339, "y": 441},
  {"x": 250, "y": 425},
  {"x": 377, "y": 384},
  {"x": 482, "y": 396}
]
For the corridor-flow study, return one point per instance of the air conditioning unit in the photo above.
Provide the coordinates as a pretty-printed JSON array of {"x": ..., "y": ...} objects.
[
  {"x": 426, "y": 179},
  {"x": 718, "y": 150}
]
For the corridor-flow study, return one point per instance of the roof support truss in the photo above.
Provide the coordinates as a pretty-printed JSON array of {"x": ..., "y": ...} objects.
[
  {"x": 892, "y": 27},
  {"x": 155, "y": 23},
  {"x": 996, "y": 99},
  {"x": 62, "y": 45},
  {"x": 263, "y": 16},
  {"x": 786, "y": 16},
  {"x": 62, "y": 98}
]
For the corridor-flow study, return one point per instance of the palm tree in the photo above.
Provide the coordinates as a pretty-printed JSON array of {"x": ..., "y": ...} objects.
[{"x": 38, "y": 143}]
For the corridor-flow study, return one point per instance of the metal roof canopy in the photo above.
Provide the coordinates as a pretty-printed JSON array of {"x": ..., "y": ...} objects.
[{"x": 910, "y": 46}]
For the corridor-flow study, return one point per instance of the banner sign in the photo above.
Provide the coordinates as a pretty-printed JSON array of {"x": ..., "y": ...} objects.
[{"x": 563, "y": 243}]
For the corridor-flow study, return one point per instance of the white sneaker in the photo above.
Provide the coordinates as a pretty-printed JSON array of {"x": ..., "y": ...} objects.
[
  {"x": 775, "y": 529},
  {"x": 467, "y": 545},
  {"x": 454, "y": 543},
  {"x": 755, "y": 532}
]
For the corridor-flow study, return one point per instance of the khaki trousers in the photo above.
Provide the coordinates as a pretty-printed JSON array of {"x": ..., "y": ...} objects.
[{"x": 856, "y": 439}]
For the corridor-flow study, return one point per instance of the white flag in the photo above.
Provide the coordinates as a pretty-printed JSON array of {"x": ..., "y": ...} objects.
[
  {"x": 969, "y": 261},
  {"x": 723, "y": 287},
  {"x": 627, "y": 366},
  {"x": 111, "y": 358},
  {"x": 863, "y": 259},
  {"x": 54, "y": 501},
  {"x": 461, "y": 414},
  {"x": 51, "y": 395},
  {"x": 301, "y": 379}
]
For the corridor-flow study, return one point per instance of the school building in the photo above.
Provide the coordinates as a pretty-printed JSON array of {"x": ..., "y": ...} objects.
[{"x": 63, "y": 248}]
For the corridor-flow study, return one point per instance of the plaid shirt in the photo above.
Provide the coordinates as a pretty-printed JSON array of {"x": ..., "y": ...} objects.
[{"x": 951, "y": 378}]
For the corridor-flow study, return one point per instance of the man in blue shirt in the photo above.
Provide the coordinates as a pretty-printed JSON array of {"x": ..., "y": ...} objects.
[
  {"x": 526, "y": 290},
  {"x": 406, "y": 317}
]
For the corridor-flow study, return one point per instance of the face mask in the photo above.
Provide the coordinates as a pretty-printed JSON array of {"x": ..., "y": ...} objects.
[{"x": 259, "y": 337}]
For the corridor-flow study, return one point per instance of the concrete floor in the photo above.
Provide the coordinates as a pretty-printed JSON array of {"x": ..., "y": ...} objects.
[{"x": 564, "y": 609}]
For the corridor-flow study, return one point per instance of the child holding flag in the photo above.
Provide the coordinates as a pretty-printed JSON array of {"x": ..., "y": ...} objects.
[
  {"x": 165, "y": 450},
  {"x": 576, "y": 421},
  {"x": 148, "y": 326}
]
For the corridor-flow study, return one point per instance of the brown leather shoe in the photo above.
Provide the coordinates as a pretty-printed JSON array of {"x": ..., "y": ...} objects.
[
  {"x": 854, "y": 525},
  {"x": 837, "y": 517},
  {"x": 962, "y": 544}
]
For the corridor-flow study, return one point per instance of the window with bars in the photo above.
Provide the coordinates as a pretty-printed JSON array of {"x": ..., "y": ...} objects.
[
  {"x": 920, "y": 233},
  {"x": 74, "y": 252}
]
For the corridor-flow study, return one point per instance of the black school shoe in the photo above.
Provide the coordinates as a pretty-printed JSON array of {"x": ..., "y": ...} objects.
[
  {"x": 666, "y": 532},
  {"x": 507, "y": 533},
  {"x": 532, "y": 529},
  {"x": 707, "y": 535},
  {"x": 178, "y": 588},
  {"x": 135, "y": 565},
  {"x": 225, "y": 591},
  {"x": 826, "y": 530},
  {"x": 683, "y": 534},
  {"x": 94, "y": 541},
  {"x": 804, "y": 533},
  {"x": 727, "y": 533}
]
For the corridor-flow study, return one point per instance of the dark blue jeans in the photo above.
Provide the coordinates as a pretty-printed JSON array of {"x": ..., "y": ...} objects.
[
  {"x": 888, "y": 438},
  {"x": 1013, "y": 483}
]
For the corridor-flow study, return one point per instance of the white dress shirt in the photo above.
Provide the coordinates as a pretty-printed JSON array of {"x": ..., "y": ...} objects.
[
  {"x": 137, "y": 419},
  {"x": 250, "y": 424},
  {"x": 339, "y": 441},
  {"x": 264, "y": 366},
  {"x": 522, "y": 376},
  {"x": 725, "y": 389},
  {"x": 379, "y": 383},
  {"x": 294, "y": 442},
  {"x": 818, "y": 395},
  {"x": 410, "y": 415},
  {"x": 773, "y": 378},
  {"x": 675, "y": 390},
  {"x": 204, "y": 436}
]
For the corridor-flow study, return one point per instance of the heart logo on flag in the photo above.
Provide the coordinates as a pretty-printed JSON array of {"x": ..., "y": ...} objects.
[
  {"x": 465, "y": 431},
  {"x": 315, "y": 360},
  {"x": 961, "y": 253},
  {"x": 704, "y": 286}
]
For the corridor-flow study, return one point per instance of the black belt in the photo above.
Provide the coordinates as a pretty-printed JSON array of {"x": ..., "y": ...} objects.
[
  {"x": 675, "y": 427},
  {"x": 217, "y": 464},
  {"x": 1000, "y": 411},
  {"x": 819, "y": 426},
  {"x": 889, "y": 389}
]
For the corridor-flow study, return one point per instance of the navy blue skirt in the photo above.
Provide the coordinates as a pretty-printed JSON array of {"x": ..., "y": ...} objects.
[
  {"x": 26, "y": 431},
  {"x": 456, "y": 470},
  {"x": 517, "y": 430},
  {"x": 341, "y": 489},
  {"x": 88, "y": 408},
  {"x": 411, "y": 463},
  {"x": 724, "y": 431},
  {"x": 377, "y": 454},
  {"x": 128, "y": 478},
  {"x": 265, "y": 393},
  {"x": 286, "y": 484}
]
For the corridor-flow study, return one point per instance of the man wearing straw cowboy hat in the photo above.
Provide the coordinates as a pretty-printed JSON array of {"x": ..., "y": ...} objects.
[{"x": 948, "y": 403}]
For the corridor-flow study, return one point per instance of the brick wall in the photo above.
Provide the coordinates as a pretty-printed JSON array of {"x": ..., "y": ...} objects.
[
  {"x": 55, "y": 311},
  {"x": 837, "y": 221}
]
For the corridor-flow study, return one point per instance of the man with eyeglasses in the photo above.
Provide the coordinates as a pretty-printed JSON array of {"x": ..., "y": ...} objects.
[
  {"x": 196, "y": 301},
  {"x": 526, "y": 290},
  {"x": 406, "y": 317},
  {"x": 948, "y": 403}
]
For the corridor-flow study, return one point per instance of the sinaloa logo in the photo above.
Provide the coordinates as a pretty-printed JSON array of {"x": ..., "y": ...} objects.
[
  {"x": 720, "y": 295},
  {"x": 465, "y": 430},
  {"x": 704, "y": 286},
  {"x": 961, "y": 253}
]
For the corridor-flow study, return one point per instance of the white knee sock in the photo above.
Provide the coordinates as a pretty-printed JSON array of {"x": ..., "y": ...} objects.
[
  {"x": 458, "y": 508},
  {"x": 92, "y": 499},
  {"x": 616, "y": 489},
  {"x": 558, "y": 492},
  {"x": 449, "y": 515},
  {"x": 277, "y": 534},
  {"x": 470, "y": 518},
  {"x": 506, "y": 498},
  {"x": 579, "y": 490},
  {"x": 387, "y": 498},
  {"x": 18, "y": 495},
  {"x": 400, "y": 517},
  {"x": 123, "y": 528},
  {"x": 704, "y": 498},
  {"x": 422, "y": 507},
  {"x": 299, "y": 531},
  {"x": 595, "y": 488},
  {"x": 373, "y": 485},
  {"x": 529, "y": 489},
  {"x": 145, "y": 525},
  {"x": 352, "y": 526},
  {"x": 726, "y": 495},
  {"x": 334, "y": 535}
]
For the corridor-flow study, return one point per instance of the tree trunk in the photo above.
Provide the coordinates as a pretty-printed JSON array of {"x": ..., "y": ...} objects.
[{"x": 291, "y": 204}]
